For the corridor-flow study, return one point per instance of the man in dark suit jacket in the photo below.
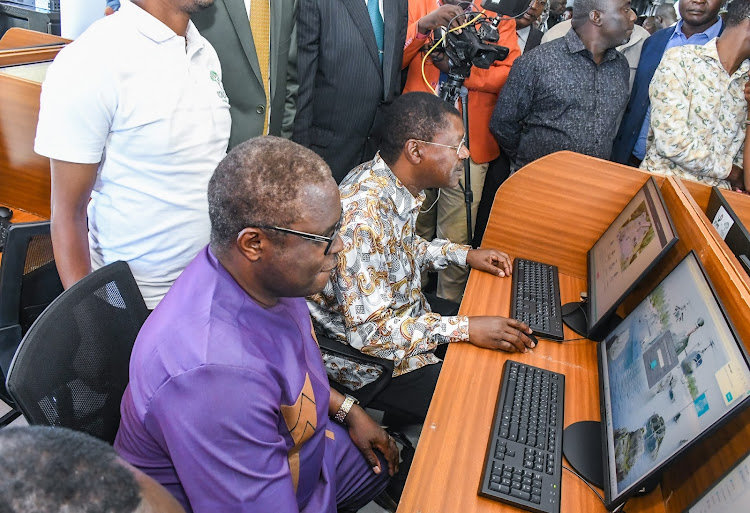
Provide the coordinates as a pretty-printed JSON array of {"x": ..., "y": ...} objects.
[
  {"x": 227, "y": 27},
  {"x": 341, "y": 79},
  {"x": 697, "y": 17},
  {"x": 529, "y": 37}
]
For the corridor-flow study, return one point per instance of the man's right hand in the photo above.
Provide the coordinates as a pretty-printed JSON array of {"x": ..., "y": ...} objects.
[
  {"x": 499, "y": 333},
  {"x": 441, "y": 17}
]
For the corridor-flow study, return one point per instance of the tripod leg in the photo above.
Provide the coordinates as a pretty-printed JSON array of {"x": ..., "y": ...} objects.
[{"x": 468, "y": 193}]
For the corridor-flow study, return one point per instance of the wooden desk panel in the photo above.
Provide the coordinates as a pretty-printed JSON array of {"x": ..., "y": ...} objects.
[
  {"x": 16, "y": 37},
  {"x": 571, "y": 197},
  {"x": 24, "y": 175}
]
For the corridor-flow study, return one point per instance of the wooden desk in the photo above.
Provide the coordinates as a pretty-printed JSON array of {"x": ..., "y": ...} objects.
[
  {"x": 24, "y": 175},
  {"x": 553, "y": 211}
]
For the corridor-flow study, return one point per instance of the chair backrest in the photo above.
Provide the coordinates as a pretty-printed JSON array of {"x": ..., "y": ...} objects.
[
  {"x": 71, "y": 368},
  {"x": 28, "y": 283}
]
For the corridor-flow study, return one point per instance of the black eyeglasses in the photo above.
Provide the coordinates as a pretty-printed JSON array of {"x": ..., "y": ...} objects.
[{"x": 308, "y": 236}]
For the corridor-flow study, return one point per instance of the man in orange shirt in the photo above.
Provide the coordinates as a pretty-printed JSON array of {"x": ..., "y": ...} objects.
[{"x": 447, "y": 219}]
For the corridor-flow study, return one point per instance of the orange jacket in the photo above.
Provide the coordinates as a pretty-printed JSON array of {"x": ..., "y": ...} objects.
[{"x": 483, "y": 84}]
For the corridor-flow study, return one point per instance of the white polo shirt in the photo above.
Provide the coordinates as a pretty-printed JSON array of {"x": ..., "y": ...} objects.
[{"x": 131, "y": 94}]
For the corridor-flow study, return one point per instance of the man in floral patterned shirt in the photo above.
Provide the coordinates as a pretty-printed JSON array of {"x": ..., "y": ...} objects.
[
  {"x": 374, "y": 300},
  {"x": 698, "y": 109}
]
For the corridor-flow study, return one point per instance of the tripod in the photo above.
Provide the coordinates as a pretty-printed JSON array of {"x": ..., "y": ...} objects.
[{"x": 451, "y": 90}]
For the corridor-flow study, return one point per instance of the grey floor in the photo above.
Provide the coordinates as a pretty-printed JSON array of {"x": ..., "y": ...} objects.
[
  {"x": 412, "y": 432},
  {"x": 20, "y": 421}
]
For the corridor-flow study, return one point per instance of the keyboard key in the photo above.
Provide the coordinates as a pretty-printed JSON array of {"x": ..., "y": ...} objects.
[{"x": 520, "y": 494}]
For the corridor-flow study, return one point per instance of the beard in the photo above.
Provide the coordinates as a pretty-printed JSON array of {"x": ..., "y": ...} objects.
[{"x": 194, "y": 6}]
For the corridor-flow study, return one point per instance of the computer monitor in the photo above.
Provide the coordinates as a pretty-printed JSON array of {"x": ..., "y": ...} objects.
[
  {"x": 729, "y": 226},
  {"x": 635, "y": 241},
  {"x": 670, "y": 373}
]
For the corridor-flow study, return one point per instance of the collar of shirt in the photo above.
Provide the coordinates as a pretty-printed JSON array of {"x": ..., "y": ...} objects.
[
  {"x": 157, "y": 31},
  {"x": 380, "y": 168},
  {"x": 575, "y": 45},
  {"x": 679, "y": 38},
  {"x": 523, "y": 33},
  {"x": 709, "y": 52}
]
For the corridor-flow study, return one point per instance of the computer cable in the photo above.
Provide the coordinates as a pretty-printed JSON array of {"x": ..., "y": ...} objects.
[{"x": 618, "y": 509}]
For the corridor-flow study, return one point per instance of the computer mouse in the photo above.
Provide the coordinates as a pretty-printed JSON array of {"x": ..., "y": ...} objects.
[
  {"x": 533, "y": 339},
  {"x": 5, "y": 213}
]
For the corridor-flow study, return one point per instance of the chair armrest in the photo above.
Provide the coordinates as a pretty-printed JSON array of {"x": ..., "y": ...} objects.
[{"x": 342, "y": 350}]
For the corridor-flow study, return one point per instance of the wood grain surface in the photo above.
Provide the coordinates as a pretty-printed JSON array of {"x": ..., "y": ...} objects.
[
  {"x": 16, "y": 37},
  {"x": 577, "y": 195},
  {"x": 24, "y": 175}
]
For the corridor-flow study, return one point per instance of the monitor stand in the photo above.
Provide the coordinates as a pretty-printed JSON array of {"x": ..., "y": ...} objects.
[
  {"x": 582, "y": 447},
  {"x": 574, "y": 316}
]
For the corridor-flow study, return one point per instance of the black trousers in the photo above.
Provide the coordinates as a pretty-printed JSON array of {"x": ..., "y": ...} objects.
[{"x": 407, "y": 398}]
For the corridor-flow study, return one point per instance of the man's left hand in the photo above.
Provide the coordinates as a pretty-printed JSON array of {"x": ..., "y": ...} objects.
[
  {"x": 489, "y": 260},
  {"x": 367, "y": 435}
]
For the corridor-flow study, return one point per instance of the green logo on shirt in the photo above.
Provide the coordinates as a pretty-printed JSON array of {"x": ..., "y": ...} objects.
[{"x": 215, "y": 78}]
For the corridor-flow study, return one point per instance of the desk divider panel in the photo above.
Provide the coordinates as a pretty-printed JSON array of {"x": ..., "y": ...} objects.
[
  {"x": 24, "y": 175},
  {"x": 554, "y": 209}
]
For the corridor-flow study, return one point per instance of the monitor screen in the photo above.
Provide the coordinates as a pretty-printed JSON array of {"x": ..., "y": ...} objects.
[
  {"x": 729, "y": 226},
  {"x": 626, "y": 251},
  {"x": 669, "y": 373}
]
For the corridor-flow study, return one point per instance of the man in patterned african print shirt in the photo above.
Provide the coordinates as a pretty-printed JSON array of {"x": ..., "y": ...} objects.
[
  {"x": 698, "y": 109},
  {"x": 374, "y": 301}
]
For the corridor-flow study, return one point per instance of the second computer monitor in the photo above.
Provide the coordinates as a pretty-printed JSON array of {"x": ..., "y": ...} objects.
[
  {"x": 670, "y": 373},
  {"x": 626, "y": 251}
]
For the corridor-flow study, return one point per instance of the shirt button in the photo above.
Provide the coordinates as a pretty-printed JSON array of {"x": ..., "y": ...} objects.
[{"x": 260, "y": 109}]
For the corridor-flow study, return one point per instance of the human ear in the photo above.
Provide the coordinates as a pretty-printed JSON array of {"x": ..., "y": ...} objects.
[
  {"x": 412, "y": 152},
  {"x": 595, "y": 17},
  {"x": 250, "y": 242}
]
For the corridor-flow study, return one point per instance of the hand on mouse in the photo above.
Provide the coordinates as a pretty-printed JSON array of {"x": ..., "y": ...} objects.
[
  {"x": 489, "y": 260},
  {"x": 500, "y": 333}
]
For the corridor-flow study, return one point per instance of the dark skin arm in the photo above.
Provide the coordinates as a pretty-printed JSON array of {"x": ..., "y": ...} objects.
[
  {"x": 366, "y": 434},
  {"x": 71, "y": 189}
]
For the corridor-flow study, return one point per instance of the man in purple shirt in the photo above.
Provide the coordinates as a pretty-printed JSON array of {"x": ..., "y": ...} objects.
[{"x": 228, "y": 403}]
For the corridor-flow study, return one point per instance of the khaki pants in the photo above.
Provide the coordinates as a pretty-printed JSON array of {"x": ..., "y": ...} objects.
[{"x": 447, "y": 220}]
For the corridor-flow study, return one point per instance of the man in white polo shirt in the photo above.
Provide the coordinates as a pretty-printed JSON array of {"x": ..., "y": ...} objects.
[{"x": 134, "y": 116}]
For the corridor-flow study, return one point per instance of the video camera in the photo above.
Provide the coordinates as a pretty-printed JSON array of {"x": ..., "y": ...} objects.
[{"x": 476, "y": 44}]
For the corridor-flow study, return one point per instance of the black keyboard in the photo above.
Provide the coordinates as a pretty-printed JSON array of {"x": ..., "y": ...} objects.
[
  {"x": 535, "y": 299},
  {"x": 523, "y": 466}
]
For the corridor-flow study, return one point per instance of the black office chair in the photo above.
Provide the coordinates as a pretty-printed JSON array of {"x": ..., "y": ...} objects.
[
  {"x": 28, "y": 283},
  {"x": 71, "y": 368}
]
